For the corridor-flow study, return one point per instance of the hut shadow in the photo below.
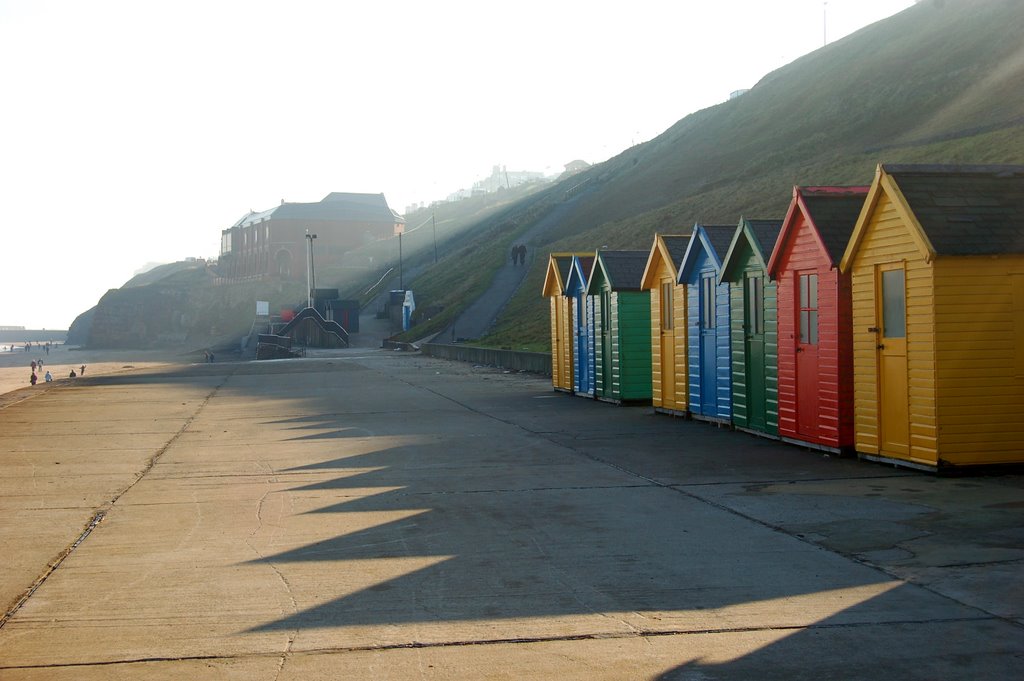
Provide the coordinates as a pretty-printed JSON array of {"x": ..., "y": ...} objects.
[
  {"x": 945, "y": 641},
  {"x": 523, "y": 547}
]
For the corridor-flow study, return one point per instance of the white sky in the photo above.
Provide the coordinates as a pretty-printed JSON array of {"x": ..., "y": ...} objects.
[{"x": 133, "y": 132}]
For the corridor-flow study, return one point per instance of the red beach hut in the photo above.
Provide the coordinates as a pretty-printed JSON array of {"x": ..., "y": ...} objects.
[{"x": 814, "y": 308}]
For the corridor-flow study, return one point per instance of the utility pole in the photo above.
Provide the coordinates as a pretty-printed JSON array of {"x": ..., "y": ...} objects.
[
  {"x": 824, "y": 24},
  {"x": 401, "y": 274},
  {"x": 309, "y": 268}
]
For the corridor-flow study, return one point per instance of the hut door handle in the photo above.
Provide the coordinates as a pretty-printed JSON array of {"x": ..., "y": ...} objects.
[
  {"x": 873, "y": 329},
  {"x": 799, "y": 349},
  {"x": 880, "y": 346}
]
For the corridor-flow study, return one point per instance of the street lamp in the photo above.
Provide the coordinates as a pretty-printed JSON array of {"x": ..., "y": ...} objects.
[{"x": 310, "y": 279}]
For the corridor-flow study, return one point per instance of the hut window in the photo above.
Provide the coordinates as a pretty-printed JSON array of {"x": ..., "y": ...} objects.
[
  {"x": 666, "y": 306},
  {"x": 755, "y": 305},
  {"x": 809, "y": 309},
  {"x": 707, "y": 302},
  {"x": 894, "y": 304}
]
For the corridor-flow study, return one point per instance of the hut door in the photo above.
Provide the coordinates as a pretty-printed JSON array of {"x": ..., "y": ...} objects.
[
  {"x": 582, "y": 357},
  {"x": 891, "y": 330},
  {"x": 606, "y": 343},
  {"x": 708, "y": 347},
  {"x": 753, "y": 327},
  {"x": 807, "y": 354},
  {"x": 564, "y": 379},
  {"x": 668, "y": 347}
]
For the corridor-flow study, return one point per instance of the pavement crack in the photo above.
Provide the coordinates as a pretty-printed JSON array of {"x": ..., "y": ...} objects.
[
  {"x": 101, "y": 513},
  {"x": 592, "y": 636}
]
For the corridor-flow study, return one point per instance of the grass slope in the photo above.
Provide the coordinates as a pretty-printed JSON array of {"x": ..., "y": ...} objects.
[{"x": 942, "y": 82}]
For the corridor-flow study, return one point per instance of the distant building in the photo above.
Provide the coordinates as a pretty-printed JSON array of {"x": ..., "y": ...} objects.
[
  {"x": 273, "y": 242},
  {"x": 574, "y": 167},
  {"x": 738, "y": 93},
  {"x": 502, "y": 178}
]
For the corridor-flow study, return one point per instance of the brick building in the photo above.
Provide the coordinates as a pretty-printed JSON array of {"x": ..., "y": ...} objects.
[{"x": 273, "y": 242}]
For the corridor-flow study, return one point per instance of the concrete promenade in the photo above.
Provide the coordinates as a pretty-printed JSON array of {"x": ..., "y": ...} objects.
[{"x": 385, "y": 515}]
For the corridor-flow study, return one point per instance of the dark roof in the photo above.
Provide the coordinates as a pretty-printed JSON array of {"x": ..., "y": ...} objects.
[
  {"x": 720, "y": 237},
  {"x": 834, "y": 214},
  {"x": 676, "y": 246},
  {"x": 564, "y": 263},
  {"x": 766, "y": 232},
  {"x": 624, "y": 269},
  {"x": 966, "y": 210},
  {"x": 586, "y": 264},
  {"x": 335, "y": 206}
]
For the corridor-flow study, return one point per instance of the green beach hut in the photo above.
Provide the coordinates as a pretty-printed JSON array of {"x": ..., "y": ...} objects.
[
  {"x": 622, "y": 325},
  {"x": 754, "y": 326}
]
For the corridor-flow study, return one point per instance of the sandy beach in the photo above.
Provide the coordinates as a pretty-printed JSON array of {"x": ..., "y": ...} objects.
[{"x": 15, "y": 367}]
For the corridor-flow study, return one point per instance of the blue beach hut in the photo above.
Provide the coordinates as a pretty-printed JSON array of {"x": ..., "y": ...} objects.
[
  {"x": 708, "y": 352},
  {"x": 582, "y": 324}
]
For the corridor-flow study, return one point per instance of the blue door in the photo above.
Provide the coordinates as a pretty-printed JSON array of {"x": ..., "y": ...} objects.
[
  {"x": 708, "y": 346},
  {"x": 582, "y": 356}
]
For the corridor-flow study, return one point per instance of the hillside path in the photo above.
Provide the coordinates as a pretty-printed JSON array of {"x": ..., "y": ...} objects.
[{"x": 477, "y": 319}]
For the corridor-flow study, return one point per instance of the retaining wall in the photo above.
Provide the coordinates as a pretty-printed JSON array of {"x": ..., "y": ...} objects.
[{"x": 534, "y": 362}]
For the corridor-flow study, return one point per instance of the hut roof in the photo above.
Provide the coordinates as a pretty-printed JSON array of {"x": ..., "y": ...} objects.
[
  {"x": 714, "y": 238},
  {"x": 624, "y": 270},
  {"x": 761, "y": 234},
  {"x": 834, "y": 214},
  {"x": 965, "y": 209}
]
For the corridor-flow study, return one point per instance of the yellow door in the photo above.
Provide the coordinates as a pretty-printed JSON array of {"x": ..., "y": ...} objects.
[
  {"x": 891, "y": 329},
  {"x": 668, "y": 348},
  {"x": 557, "y": 365}
]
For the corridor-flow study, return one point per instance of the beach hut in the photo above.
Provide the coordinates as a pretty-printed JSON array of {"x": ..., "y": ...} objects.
[
  {"x": 708, "y": 349},
  {"x": 753, "y": 326},
  {"x": 559, "y": 266},
  {"x": 622, "y": 324},
  {"x": 668, "y": 323},
  {"x": 936, "y": 261},
  {"x": 582, "y": 324},
  {"x": 815, "y": 332}
]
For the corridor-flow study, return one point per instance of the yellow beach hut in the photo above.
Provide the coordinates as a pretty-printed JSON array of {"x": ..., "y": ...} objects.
[
  {"x": 555, "y": 279},
  {"x": 668, "y": 323},
  {"x": 936, "y": 260}
]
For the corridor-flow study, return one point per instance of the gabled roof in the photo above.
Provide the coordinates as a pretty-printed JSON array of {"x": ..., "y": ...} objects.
[
  {"x": 760, "y": 234},
  {"x": 712, "y": 239},
  {"x": 339, "y": 206},
  {"x": 623, "y": 270},
  {"x": 950, "y": 210},
  {"x": 830, "y": 213},
  {"x": 668, "y": 248},
  {"x": 579, "y": 273},
  {"x": 557, "y": 274}
]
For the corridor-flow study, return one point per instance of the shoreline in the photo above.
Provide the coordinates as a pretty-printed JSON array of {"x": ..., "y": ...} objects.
[{"x": 15, "y": 367}]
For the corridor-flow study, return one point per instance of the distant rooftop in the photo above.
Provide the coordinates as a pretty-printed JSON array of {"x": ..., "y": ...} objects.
[{"x": 334, "y": 206}]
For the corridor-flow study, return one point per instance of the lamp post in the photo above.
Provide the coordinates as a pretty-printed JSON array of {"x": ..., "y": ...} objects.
[
  {"x": 401, "y": 274},
  {"x": 309, "y": 268}
]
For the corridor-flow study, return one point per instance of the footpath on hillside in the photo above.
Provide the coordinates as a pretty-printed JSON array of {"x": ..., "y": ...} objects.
[{"x": 477, "y": 319}]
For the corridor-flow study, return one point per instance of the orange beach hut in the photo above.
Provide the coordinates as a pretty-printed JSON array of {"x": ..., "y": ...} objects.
[
  {"x": 936, "y": 261},
  {"x": 562, "y": 355},
  {"x": 668, "y": 323}
]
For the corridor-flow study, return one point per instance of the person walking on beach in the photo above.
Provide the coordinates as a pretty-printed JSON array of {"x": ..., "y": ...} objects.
[
  {"x": 33, "y": 366},
  {"x": 82, "y": 370},
  {"x": 32, "y": 379},
  {"x": 48, "y": 377},
  {"x": 72, "y": 374}
]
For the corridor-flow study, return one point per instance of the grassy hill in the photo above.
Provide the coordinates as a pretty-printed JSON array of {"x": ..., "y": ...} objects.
[{"x": 941, "y": 82}]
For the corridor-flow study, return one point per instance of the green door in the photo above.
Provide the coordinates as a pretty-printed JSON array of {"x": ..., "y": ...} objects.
[{"x": 753, "y": 327}]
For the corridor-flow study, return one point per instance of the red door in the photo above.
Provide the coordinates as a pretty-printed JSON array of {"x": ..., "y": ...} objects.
[{"x": 807, "y": 354}]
